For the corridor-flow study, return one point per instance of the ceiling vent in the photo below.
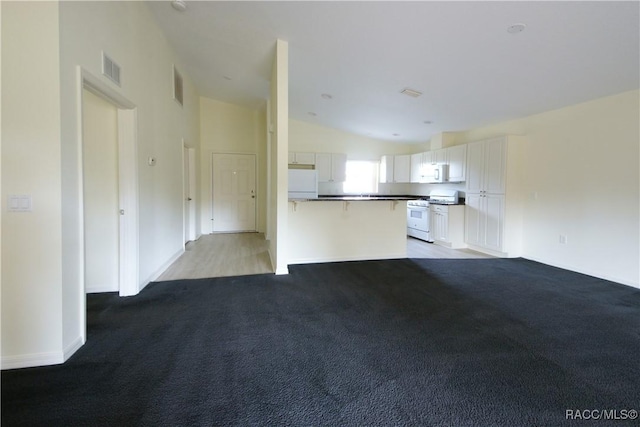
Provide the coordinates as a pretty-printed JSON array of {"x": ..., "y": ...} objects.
[
  {"x": 110, "y": 69},
  {"x": 410, "y": 92}
]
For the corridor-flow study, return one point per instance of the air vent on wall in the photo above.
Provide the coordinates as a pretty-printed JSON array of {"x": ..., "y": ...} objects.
[
  {"x": 177, "y": 86},
  {"x": 110, "y": 69}
]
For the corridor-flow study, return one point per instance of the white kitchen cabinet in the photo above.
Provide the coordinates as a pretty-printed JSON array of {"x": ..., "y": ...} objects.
[
  {"x": 331, "y": 167},
  {"x": 402, "y": 168},
  {"x": 447, "y": 225},
  {"x": 395, "y": 168},
  {"x": 439, "y": 157},
  {"x": 296, "y": 158},
  {"x": 417, "y": 173},
  {"x": 493, "y": 216},
  {"x": 457, "y": 161},
  {"x": 485, "y": 221}
]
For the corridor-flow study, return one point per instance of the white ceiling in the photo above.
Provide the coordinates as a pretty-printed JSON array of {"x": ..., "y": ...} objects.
[{"x": 459, "y": 54}]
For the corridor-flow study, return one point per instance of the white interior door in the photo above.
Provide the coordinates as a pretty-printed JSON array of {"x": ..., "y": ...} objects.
[
  {"x": 234, "y": 195},
  {"x": 189, "y": 181},
  {"x": 101, "y": 194}
]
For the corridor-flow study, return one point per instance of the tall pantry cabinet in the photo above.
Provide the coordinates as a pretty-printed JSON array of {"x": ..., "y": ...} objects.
[{"x": 493, "y": 213}]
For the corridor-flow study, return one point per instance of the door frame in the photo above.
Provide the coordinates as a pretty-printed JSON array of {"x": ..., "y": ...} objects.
[
  {"x": 255, "y": 178},
  {"x": 129, "y": 283},
  {"x": 189, "y": 187}
]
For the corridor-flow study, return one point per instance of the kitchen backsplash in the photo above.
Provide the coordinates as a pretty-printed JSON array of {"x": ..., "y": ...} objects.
[{"x": 334, "y": 188}]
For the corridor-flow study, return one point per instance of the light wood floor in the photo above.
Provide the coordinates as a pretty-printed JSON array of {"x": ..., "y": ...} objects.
[
  {"x": 417, "y": 248},
  {"x": 239, "y": 254},
  {"x": 219, "y": 255}
]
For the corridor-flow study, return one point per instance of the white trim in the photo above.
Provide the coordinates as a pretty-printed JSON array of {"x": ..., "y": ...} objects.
[
  {"x": 32, "y": 360},
  {"x": 282, "y": 271},
  {"x": 162, "y": 269},
  {"x": 346, "y": 259},
  {"x": 98, "y": 88},
  {"x": 100, "y": 289},
  {"x": 73, "y": 347},
  {"x": 491, "y": 252},
  {"x": 584, "y": 271},
  {"x": 127, "y": 179}
]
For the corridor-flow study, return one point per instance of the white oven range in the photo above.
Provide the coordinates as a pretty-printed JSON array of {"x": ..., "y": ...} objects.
[
  {"x": 418, "y": 217},
  {"x": 418, "y": 222}
]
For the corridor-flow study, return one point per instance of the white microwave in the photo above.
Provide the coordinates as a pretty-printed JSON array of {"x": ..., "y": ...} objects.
[{"x": 440, "y": 173}]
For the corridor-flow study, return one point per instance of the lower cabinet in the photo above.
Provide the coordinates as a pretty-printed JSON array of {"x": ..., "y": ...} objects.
[
  {"x": 484, "y": 221},
  {"x": 447, "y": 225}
]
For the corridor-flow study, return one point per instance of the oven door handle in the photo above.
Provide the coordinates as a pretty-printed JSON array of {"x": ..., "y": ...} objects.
[{"x": 418, "y": 208}]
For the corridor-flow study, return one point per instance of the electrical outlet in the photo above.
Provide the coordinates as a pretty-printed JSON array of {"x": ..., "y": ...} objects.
[{"x": 563, "y": 239}]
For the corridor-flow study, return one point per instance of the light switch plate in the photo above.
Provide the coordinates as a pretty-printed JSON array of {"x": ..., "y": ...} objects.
[{"x": 19, "y": 203}]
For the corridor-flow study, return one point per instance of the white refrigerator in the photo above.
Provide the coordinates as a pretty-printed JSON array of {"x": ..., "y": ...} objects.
[{"x": 303, "y": 184}]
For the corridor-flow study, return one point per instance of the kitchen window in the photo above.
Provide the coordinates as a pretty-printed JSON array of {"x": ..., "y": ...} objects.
[{"x": 362, "y": 177}]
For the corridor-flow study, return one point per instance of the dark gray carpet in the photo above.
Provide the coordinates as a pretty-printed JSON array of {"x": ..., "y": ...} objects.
[{"x": 403, "y": 342}]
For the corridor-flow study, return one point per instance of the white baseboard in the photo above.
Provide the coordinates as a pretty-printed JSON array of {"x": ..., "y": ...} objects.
[
  {"x": 42, "y": 359},
  {"x": 32, "y": 360},
  {"x": 101, "y": 288},
  {"x": 584, "y": 271},
  {"x": 343, "y": 259},
  {"x": 162, "y": 269},
  {"x": 72, "y": 348}
]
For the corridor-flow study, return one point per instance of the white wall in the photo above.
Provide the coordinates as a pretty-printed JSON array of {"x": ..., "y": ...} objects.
[
  {"x": 101, "y": 203},
  {"x": 279, "y": 156},
  {"x": 310, "y": 137},
  {"x": 31, "y": 273},
  {"x": 43, "y": 43},
  {"x": 581, "y": 175},
  {"x": 228, "y": 128}
]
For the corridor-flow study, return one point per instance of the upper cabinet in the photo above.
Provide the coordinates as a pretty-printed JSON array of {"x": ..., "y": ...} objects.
[
  {"x": 417, "y": 167},
  {"x": 486, "y": 165},
  {"x": 296, "y": 158},
  {"x": 331, "y": 167},
  {"x": 423, "y": 164},
  {"x": 402, "y": 168},
  {"x": 457, "y": 161},
  {"x": 395, "y": 168}
]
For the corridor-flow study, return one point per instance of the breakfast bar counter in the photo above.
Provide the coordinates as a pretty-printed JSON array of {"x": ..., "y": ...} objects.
[{"x": 347, "y": 228}]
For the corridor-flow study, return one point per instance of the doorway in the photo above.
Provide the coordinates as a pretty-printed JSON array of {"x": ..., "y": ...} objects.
[
  {"x": 189, "y": 181},
  {"x": 124, "y": 186},
  {"x": 234, "y": 194},
  {"x": 100, "y": 194}
]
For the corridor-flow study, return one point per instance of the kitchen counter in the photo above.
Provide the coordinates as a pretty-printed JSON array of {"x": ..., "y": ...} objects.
[
  {"x": 326, "y": 231},
  {"x": 325, "y": 198}
]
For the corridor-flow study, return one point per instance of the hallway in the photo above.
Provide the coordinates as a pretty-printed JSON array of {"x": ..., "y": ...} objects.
[{"x": 219, "y": 255}]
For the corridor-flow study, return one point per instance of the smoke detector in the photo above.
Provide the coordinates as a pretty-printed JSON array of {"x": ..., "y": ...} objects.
[{"x": 516, "y": 28}]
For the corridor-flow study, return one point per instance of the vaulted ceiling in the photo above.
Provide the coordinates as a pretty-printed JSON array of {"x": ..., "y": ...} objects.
[{"x": 471, "y": 70}]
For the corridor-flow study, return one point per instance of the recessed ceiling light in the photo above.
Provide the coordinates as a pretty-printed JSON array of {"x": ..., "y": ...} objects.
[
  {"x": 179, "y": 5},
  {"x": 312, "y": 114},
  {"x": 411, "y": 92},
  {"x": 516, "y": 28},
  {"x": 326, "y": 96}
]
